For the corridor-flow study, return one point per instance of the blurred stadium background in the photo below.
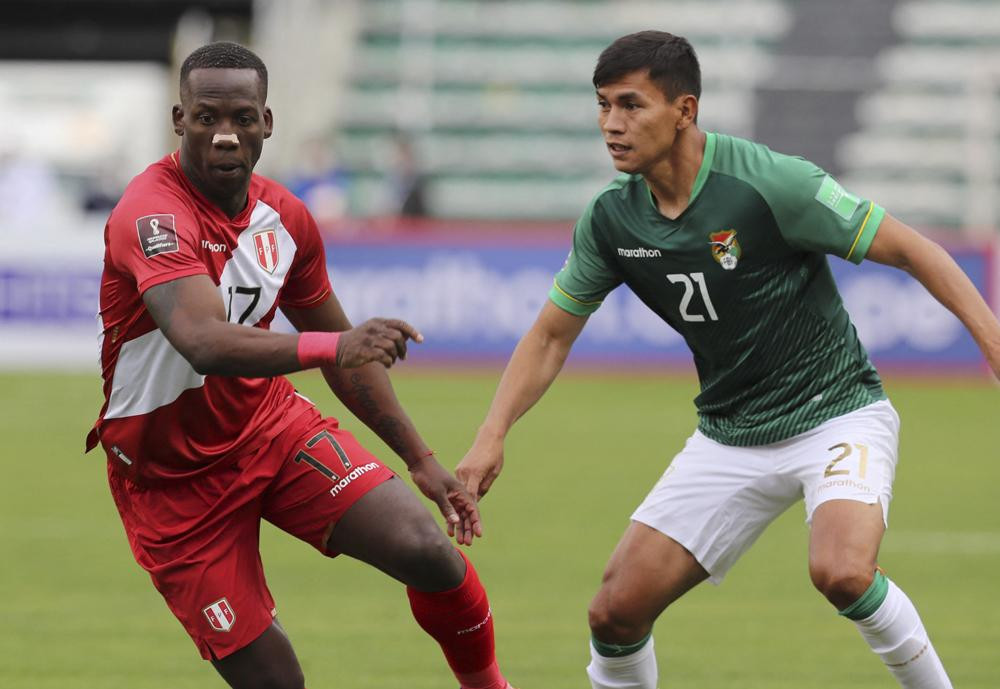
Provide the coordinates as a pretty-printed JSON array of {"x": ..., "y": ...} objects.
[{"x": 446, "y": 146}]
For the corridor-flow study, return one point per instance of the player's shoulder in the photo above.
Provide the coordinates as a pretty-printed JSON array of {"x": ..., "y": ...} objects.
[
  {"x": 733, "y": 153},
  {"x": 276, "y": 195},
  {"x": 623, "y": 190},
  {"x": 753, "y": 161},
  {"x": 156, "y": 190}
]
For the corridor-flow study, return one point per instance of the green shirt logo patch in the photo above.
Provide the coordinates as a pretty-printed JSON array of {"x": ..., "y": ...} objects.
[{"x": 836, "y": 198}]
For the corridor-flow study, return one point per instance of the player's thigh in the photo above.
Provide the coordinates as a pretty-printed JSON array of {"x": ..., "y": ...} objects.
[
  {"x": 390, "y": 528},
  {"x": 715, "y": 500},
  {"x": 268, "y": 662},
  {"x": 851, "y": 457},
  {"x": 843, "y": 548},
  {"x": 847, "y": 466},
  {"x": 199, "y": 542},
  {"x": 337, "y": 496},
  {"x": 646, "y": 572}
]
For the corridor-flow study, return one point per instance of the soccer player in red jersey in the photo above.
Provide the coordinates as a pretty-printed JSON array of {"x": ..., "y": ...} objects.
[{"x": 205, "y": 437}]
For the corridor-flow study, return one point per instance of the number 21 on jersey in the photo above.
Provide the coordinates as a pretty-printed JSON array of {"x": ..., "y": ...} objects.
[{"x": 689, "y": 281}]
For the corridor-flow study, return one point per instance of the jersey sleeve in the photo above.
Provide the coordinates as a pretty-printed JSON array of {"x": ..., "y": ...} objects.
[
  {"x": 308, "y": 282},
  {"x": 154, "y": 238},
  {"x": 586, "y": 278},
  {"x": 815, "y": 213}
]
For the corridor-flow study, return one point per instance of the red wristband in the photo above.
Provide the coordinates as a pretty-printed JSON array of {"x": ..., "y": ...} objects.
[{"x": 317, "y": 349}]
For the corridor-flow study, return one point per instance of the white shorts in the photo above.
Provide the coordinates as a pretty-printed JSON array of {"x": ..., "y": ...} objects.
[{"x": 715, "y": 500}]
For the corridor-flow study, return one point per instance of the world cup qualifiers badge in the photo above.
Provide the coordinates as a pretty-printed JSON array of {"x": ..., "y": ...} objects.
[{"x": 725, "y": 249}]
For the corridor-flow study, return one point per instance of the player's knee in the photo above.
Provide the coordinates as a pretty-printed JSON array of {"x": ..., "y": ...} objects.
[
  {"x": 612, "y": 623},
  {"x": 841, "y": 582},
  {"x": 429, "y": 560}
]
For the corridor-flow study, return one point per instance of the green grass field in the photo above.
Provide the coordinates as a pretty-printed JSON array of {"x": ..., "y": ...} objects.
[{"x": 78, "y": 613}]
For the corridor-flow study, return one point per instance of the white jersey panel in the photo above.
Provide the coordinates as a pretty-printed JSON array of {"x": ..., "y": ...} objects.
[
  {"x": 149, "y": 374},
  {"x": 261, "y": 259}
]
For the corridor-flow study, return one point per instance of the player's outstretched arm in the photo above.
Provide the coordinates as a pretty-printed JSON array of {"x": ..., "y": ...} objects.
[
  {"x": 536, "y": 362},
  {"x": 190, "y": 313},
  {"x": 899, "y": 245},
  {"x": 367, "y": 392}
]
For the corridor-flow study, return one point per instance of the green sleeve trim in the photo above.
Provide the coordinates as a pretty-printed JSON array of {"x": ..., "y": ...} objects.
[
  {"x": 870, "y": 600},
  {"x": 866, "y": 233},
  {"x": 571, "y": 304},
  {"x": 619, "y": 650}
]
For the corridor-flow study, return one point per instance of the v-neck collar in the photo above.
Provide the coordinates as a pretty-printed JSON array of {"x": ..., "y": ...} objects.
[
  {"x": 240, "y": 219},
  {"x": 699, "y": 181}
]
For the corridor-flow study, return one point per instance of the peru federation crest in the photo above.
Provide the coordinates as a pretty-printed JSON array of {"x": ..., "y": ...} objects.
[
  {"x": 725, "y": 249},
  {"x": 265, "y": 245},
  {"x": 220, "y": 615}
]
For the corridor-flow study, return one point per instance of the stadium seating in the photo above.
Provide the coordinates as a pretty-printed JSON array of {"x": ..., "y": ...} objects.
[
  {"x": 928, "y": 143},
  {"x": 496, "y": 96}
]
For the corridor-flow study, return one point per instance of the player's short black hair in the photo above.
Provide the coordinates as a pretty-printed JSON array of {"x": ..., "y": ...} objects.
[
  {"x": 225, "y": 55},
  {"x": 670, "y": 60}
]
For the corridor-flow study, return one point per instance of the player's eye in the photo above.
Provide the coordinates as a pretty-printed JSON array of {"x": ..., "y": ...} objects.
[
  {"x": 205, "y": 118},
  {"x": 244, "y": 120}
]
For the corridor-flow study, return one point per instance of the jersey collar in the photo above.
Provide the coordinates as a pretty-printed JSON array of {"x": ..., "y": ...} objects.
[{"x": 708, "y": 156}]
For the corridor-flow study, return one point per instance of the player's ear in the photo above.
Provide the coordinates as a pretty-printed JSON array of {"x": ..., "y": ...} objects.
[
  {"x": 688, "y": 106},
  {"x": 178, "y": 116},
  {"x": 268, "y": 122}
]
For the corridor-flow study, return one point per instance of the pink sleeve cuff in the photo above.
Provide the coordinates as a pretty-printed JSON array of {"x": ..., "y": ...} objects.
[{"x": 318, "y": 349}]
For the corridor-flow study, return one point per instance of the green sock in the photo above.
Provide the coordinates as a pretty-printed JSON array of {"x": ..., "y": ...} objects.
[
  {"x": 616, "y": 650},
  {"x": 870, "y": 600}
]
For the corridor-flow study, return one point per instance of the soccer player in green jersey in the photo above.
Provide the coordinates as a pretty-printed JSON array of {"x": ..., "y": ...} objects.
[{"x": 726, "y": 241}]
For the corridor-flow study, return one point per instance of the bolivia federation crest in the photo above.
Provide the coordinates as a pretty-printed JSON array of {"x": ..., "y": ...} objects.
[
  {"x": 725, "y": 249},
  {"x": 265, "y": 245},
  {"x": 220, "y": 615}
]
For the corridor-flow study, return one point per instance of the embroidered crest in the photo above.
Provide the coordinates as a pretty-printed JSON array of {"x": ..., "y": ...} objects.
[
  {"x": 220, "y": 615},
  {"x": 725, "y": 249},
  {"x": 266, "y": 247}
]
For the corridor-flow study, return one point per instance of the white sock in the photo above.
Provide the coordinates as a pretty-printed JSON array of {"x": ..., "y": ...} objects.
[
  {"x": 897, "y": 635},
  {"x": 635, "y": 671}
]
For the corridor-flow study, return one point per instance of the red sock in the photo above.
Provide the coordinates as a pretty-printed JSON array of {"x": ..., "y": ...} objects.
[{"x": 461, "y": 621}]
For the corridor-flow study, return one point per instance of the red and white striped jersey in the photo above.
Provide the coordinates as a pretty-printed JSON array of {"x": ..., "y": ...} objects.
[{"x": 161, "y": 419}]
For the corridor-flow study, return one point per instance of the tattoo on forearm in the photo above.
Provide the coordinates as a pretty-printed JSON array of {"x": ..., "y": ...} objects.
[
  {"x": 362, "y": 393},
  {"x": 389, "y": 428}
]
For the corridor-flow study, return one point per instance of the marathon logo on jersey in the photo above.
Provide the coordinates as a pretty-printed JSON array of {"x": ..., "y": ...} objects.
[
  {"x": 157, "y": 234},
  {"x": 266, "y": 245},
  {"x": 641, "y": 252},
  {"x": 725, "y": 249},
  {"x": 220, "y": 615}
]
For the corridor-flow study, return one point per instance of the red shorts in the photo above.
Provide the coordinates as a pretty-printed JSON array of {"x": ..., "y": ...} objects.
[{"x": 199, "y": 538}]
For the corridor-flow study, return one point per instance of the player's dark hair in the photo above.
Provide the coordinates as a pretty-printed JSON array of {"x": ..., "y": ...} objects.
[
  {"x": 670, "y": 60},
  {"x": 224, "y": 55}
]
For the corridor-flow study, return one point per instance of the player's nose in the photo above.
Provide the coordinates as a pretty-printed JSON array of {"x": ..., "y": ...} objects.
[{"x": 225, "y": 140}]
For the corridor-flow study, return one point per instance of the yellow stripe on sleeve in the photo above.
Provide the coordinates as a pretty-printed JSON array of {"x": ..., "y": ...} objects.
[
  {"x": 861, "y": 230},
  {"x": 572, "y": 298}
]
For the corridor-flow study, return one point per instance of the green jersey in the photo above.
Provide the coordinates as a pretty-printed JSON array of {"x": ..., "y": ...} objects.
[{"x": 742, "y": 275}]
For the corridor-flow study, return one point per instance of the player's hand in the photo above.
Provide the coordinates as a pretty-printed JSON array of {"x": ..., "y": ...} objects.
[
  {"x": 377, "y": 339},
  {"x": 458, "y": 506},
  {"x": 481, "y": 465}
]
